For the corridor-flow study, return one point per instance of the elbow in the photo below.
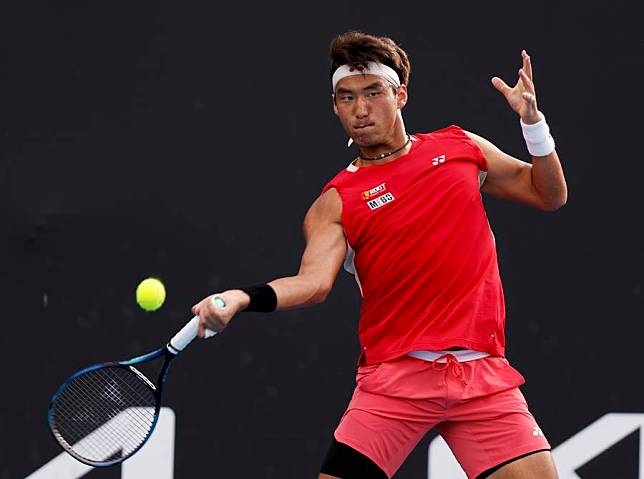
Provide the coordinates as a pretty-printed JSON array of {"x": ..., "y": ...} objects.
[
  {"x": 321, "y": 293},
  {"x": 555, "y": 203}
]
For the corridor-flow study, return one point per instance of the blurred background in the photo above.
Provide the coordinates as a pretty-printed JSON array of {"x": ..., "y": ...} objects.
[{"x": 186, "y": 140}]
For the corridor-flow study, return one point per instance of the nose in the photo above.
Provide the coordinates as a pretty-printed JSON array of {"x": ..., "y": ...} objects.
[{"x": 361, "y": 110}]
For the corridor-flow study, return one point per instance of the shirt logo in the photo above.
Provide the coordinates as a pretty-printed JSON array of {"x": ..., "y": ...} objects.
[
  {"x": 536, "y": 431},
  {"x": 380, "y": 201},
  {"x": 373, "y": 191},
  {"x": 438, "y": 160}
]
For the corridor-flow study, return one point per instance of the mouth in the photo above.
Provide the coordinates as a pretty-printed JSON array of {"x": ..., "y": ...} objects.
[{"x": 362, "y": 126}]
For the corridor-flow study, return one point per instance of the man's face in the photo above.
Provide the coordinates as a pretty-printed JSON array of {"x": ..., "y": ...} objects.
[{"x": 368, "y": 107}]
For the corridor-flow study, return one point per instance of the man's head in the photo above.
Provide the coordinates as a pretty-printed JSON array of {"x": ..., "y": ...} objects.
[
  {"x": 356, "y": 48},
  {"x": 369, "y": 77}
]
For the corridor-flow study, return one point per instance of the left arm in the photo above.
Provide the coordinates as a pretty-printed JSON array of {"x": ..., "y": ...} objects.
[{"x": 540, "y": 184}]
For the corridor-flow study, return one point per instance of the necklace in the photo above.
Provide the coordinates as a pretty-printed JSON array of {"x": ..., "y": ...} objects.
[{"x": 385, "y": 155}]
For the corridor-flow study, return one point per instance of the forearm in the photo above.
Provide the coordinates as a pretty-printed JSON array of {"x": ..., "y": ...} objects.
[
  {"x": 549, "y": 181},
  {"x": 291, "y": 292},
  {"x": 298, "y": 291}
]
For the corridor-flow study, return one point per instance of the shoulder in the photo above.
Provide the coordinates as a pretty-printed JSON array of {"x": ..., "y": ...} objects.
[
  {"x": 449, "y": 132},
  {"x": 489, "y": 149},
  {"x": 479, "y": 140},
  {"x": 326, "y": 208},
  {"x": 457, "y": 136},
  {"x": 459, "y": 142}
]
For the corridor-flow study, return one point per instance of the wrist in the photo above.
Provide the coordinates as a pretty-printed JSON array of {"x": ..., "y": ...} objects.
[
  {"x": 242, "y": 298},
  {"x": 537, "y": 137},
  {"x": 261, "y": 297},
  {"x": 531, "y": 120}
]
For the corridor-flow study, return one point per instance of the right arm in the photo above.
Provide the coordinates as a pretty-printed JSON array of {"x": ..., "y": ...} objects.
[
  {"x": 321, "y": 261},
  {"x": 324, "y": 253}
]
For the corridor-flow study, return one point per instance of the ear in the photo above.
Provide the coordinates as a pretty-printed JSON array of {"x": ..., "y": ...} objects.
[
  {"x": 401, "y": 96},
  {"x": 335, "y": 108}
]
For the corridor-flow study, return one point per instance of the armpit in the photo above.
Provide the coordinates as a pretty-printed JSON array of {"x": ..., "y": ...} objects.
[{"x": 482, "y": 176}]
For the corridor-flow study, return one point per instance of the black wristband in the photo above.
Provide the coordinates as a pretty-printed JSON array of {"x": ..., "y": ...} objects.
[{"x": 262, "y": 298}]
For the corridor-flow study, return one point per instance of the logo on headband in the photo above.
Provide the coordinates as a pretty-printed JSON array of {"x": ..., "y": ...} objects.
[{"x": 371, "y": 68}]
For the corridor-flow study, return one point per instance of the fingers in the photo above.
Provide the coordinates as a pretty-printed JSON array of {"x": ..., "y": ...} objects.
[
  {"x": 210, "y": 316},
  {"x": 530, "y": 99},
  {"x": 501, "y": 86},
  {"x": 202, "y": 329},
  {"x": 527, "y": 64},
  {"x": 525, "y": 77},
  {"x": 527, "y": 82}
]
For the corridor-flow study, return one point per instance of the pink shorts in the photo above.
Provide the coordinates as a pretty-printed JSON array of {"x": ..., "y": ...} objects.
[{"x": 476, "y": 406}]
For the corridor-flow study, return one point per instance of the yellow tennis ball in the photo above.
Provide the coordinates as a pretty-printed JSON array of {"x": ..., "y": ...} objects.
[{"x": 150, "y": 294}]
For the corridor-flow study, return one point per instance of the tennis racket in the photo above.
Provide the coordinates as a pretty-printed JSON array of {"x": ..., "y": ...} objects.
[{"x": 105, "y": 413}]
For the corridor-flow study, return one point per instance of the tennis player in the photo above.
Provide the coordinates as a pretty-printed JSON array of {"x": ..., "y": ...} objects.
[{"x": 407, "y": 220}]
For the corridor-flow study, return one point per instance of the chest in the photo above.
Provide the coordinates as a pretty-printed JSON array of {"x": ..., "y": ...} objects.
[{"x": 427, "y": 189}]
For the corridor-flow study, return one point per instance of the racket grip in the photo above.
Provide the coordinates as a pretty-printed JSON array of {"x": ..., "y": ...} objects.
[{"x": 189, "y": 332}]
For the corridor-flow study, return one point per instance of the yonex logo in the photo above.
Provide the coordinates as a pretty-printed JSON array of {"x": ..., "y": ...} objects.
[
  {"x": 439, "y": 159},
  {"x": 357, "y": 67},
  {"x": 536, "y": 431}
]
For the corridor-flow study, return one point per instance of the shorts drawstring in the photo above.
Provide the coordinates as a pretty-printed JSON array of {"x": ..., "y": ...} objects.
[{"x": 450, "y": 365}]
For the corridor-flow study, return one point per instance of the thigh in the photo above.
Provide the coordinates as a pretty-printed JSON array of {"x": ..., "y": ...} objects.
[
  {"x": 384, "y": 429},
  {"x": 382, "y": 421},
  {"x": 493, "y": 430}
]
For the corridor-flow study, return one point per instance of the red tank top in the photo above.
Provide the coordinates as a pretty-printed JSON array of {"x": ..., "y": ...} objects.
[{"x": 421, "y": 249}]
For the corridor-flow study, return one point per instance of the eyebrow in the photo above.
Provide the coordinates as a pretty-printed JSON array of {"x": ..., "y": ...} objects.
[{"x": 371, "y": 86}]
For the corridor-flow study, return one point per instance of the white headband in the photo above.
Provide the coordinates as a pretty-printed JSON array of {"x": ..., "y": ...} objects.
[{"x": 370, "y": 68}]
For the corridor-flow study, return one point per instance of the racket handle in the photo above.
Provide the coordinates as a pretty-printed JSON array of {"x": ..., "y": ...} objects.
[{"x": 189, "y": 332}]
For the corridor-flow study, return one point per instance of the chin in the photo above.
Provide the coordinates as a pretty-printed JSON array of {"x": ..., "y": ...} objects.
[{"x": 367, "y": 139}]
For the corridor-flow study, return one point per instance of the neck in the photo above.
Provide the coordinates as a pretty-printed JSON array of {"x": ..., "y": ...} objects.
[{"x": 394, "y": 148}]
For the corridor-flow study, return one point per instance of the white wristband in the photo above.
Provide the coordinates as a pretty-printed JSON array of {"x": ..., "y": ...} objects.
[{"x": 537, "y": 137}]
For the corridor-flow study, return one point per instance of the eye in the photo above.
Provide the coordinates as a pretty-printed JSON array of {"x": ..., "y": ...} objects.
[{"x": 345, "y": 98}]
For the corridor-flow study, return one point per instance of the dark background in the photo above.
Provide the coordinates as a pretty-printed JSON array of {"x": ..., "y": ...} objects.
[{"x": 186, "y": 140}]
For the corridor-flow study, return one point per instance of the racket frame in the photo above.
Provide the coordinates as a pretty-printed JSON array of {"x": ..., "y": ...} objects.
[
  {"x": 128, "y": 364},
  {"x": 178, "y": 343}
]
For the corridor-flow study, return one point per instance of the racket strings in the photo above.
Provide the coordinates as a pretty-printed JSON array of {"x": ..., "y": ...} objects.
[
  {"x": 80, "y": 406},
  {"x": 87, "y": 447},
  {"x": 119, "y": 422},
  {"x": 112, "y": 393},
  {"x": 92, "y": 445},
  {"x": 104, "y": 414}
]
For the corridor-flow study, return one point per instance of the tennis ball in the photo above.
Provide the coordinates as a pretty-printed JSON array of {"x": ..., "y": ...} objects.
[{"x": 150, "y": 294}]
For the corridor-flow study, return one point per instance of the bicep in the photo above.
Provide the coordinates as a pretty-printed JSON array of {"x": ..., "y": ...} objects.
[
  {"x": 507, "y": 177},
  {"x": 325, "y": 241}
]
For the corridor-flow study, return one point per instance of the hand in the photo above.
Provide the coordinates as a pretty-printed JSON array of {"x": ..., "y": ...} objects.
[
  {"x": 215, "y": 318},
  {"x": 522, "y": 97}
]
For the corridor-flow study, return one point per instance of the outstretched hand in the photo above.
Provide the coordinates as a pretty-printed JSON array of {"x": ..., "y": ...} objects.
[{"x": 522, "y": 97}]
